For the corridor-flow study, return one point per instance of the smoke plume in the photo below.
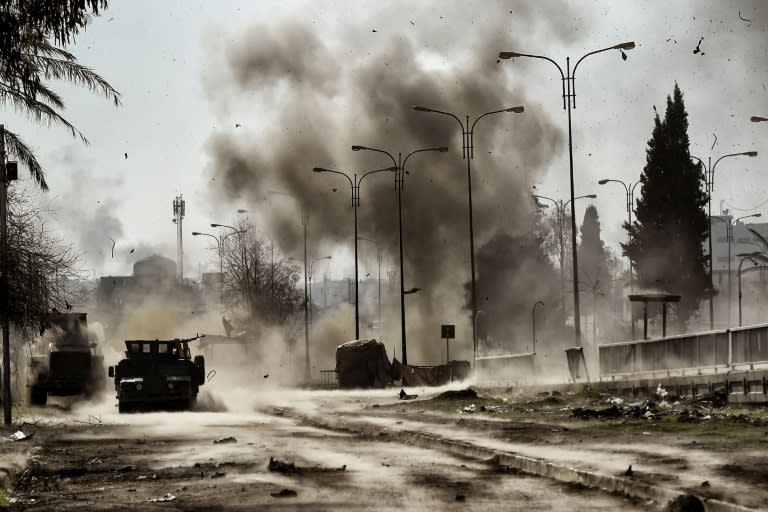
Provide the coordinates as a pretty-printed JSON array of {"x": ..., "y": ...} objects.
[{"x": 294, "y": 99}]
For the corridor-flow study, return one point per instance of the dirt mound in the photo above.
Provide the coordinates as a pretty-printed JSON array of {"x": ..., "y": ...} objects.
[{"x": 458, "y": 394}]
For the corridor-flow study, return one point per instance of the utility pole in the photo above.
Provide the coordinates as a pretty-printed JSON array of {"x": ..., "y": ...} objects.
[
  {"x": 4, "y": 282},
  {"x": 178, "y": 217}
]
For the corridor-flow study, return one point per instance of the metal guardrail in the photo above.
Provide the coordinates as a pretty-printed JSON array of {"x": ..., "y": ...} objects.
[
  {"x": 726, "y": 348},
  {"x": 329, "y": 379}
]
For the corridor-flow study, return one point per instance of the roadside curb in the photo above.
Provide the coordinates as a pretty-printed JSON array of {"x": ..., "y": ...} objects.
[{"x": 524, "y": 464}]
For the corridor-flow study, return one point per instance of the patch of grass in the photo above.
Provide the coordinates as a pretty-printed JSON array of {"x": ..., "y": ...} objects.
[{"x": 3, "y": 498}]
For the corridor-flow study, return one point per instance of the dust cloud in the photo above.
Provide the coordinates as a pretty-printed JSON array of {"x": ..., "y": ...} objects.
[{"x": 359, "y": 89}]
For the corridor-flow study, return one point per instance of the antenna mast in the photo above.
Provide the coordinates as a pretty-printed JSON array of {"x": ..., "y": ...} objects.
[{"x": 178, "y": 217}]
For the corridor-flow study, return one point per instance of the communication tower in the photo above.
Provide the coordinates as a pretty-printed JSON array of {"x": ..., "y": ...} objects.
[{"x": 178, "y": 217}]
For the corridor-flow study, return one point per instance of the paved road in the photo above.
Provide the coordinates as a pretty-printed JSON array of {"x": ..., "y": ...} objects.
[{"x": 121, "y": 462}]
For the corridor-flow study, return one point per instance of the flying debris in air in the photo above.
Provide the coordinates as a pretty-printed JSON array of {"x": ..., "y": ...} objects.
[
  {"x": 113, "y": 246},
  {"x": 126, "y": 156},
  {"x": 132, "y": 251},
  {"x": 623, "y": 55},
  {"x": 698, "y": 47},
  {"x": 237, "y": 125},
  {"x": 412, "y": 23},
  {"x": 714, "y": 141},
  {"x": 374, "y": 30},
  {"x": 742, "y": 18}
]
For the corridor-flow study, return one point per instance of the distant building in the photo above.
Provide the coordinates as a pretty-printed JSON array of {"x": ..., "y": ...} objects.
[{"x": 154, "y": 278}]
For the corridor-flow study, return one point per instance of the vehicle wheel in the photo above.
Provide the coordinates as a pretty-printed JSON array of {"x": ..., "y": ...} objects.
[{"x": 38, "y": 396}]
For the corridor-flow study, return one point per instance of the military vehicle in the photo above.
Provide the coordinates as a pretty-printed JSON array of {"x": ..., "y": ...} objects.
[
  {"x": 65, "y": 361},
  {"x": 158, "y": 374}
]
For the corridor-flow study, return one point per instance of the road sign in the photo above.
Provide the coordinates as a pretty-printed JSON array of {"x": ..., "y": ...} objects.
[{"x": 448, "y": 331}]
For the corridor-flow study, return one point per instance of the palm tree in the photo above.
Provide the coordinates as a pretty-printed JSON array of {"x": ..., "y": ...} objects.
[{"x": 24, "y": 88}]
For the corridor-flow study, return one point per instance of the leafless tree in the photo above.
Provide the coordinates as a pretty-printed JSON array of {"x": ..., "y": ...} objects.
[{"x": 256, "y": 279}]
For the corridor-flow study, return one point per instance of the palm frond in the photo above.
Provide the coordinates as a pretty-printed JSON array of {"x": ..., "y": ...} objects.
[
  {"x": 49, "y": 96},
  {"x": 70, "y": 71},
  {"x": 38, "y": 110},
  {"x": 761, "y": 238},
  {"x": 45, "y": 47},
  {"x": 16, "y": 147}
]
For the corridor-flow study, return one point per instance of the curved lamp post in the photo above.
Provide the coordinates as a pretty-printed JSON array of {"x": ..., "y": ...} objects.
[
  {"x": 560, "y": 209},
  {"x": 311, "y": 273},
  {"x": 354, "y": 184},
  {"x": 399, "y": 183},
  {"x": 379, "y": 259},
  {"x": 219, "y": 241},
  {"x": 742, "y": 259},
  {"x": 569, "y": 94},
  {"x": 468, "y": 154},
  {"x": 710, "y": 183},
  {"x": 629, "y": 188},
  {"x": 729, "y": 226},
  {"x": 305, "y": 225}
]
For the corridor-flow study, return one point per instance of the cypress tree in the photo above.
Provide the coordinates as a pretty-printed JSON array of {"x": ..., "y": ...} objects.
[
  {"x": 667, "y": 237},
  {"x": 593, "y": 257}
]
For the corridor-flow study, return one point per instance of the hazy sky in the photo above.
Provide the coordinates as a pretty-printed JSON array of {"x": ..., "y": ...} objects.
[{"x": 164, "y": 58}]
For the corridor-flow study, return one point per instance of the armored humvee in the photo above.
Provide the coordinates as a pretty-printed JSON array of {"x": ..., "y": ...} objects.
[
  {"x": 158, "y": 374},
  {"x": 64, "y": 360}
]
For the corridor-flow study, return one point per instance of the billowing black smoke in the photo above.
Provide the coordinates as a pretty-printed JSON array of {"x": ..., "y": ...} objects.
[{"x": 322, "y": 96}]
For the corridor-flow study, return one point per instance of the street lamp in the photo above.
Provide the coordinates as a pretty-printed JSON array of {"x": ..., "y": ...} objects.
[
  {"x": 742, "y": 259},
  {"x": 311, "y": 273},
  {"x": 399, "y": 183},
  {"x": 219, "y": 241},
  {"x": 305, "y": 225},
  {"x": 468, "y": 154},
  {"x": 729, "y": 226},
  {"x": 533, "y": 316},
  {"x": 629, "y": 188},
  {"x": 560, "y": 209},
  {"x": 354, "y": 184},
  {"x": 569, "y": 93},
  {"x": 709, "y": 180},
  {"x": 379, "y": 259}
]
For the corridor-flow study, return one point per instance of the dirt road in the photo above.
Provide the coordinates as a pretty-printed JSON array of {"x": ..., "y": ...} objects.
[
  {"x": 354, "y": 450},
  {"x": 95, "y": 459}
]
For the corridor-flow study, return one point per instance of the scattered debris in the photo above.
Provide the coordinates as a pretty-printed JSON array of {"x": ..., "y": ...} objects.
[
  {"x": 266, "y": 375},
  {"x": 279, "y": 466},
  {"x": 629, "y": 471},
  {"x": 218, "y": 474},
  {"x": 461, "y": 497},
  {"x": 406, "y": 396},
  {"x": 469, "y": 409},
  {"x": 742, "y": 18},
  {"x": 167, "y": 497},
  {"x": 705, "y": 483},
  {"x": 685, "y": 503},
  {"x": 126, "y": 469},
  {"x": 16, "y": 436},
  {"x": 225, "y": 440},
  {"x": 698, "y": 47},
  {"x": 661, "y": 392},
  {"x": 285, "y": 493},
  {"x": 290, "y": 468},
  {"x": 113, "y": 247},
  {"x": 458, "y": 393}
]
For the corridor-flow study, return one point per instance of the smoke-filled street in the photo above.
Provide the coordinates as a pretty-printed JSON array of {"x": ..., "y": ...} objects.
[
  {"x": 221, "y": 461},
  {"x": 309, "y": 255}
]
